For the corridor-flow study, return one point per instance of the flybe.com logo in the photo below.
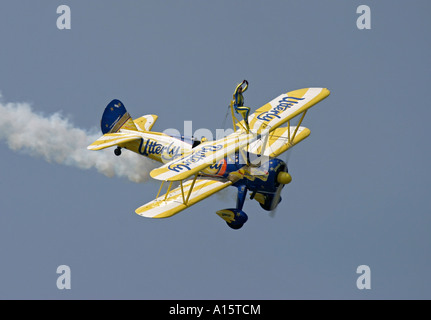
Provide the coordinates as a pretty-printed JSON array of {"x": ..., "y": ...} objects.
[
  {"x": 283, "y": 105},
  {"x": 195, "y": 157}
]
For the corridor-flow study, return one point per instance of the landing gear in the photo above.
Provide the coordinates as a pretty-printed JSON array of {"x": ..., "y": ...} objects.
[
  {"x": 236, "y": 226},
  {"x": 117, "y": 151},
  {"x": 269, "y": 205},
  {"x": 235, "y": 217}
]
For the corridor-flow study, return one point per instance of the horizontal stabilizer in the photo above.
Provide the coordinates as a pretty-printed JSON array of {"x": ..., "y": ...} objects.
[
  {"x": 180, "y": 199},
  {"x": 113, "y": 139},
  {"x": 145, "y": 123}
]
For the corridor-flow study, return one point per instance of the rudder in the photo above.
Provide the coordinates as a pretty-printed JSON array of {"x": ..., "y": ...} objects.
[{"x": 116, "y": 117}]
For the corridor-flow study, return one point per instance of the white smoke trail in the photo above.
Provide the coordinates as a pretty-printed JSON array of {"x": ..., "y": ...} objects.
[{"x": 55, "y": 139}]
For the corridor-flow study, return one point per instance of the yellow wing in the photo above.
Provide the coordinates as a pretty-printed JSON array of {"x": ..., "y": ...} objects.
[
  {"x": 262, "y": 122},
  {"x": 181, "y": 198},
  {"x": 202, "y": 156},
  {"x": 284, "y": 108},
  {"x": 279, "y": 141}
]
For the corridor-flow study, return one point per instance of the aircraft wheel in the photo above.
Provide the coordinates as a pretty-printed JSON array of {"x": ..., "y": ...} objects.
[
  {"x": 117, "y": 151},
  {"x": 235, "y": 226},
  {"x": 267, "y": 205},
  {"x": 268, "y": 202}
]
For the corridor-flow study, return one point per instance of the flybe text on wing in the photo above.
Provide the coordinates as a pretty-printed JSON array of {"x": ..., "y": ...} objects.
[
  {"x": 193, "y": 158},
  {"x": 283, "y": 105}
]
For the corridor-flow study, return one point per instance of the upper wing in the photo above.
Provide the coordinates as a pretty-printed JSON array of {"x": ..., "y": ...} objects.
[
  {"x": 179, "y": 198},
  {"x": 266, "y": 119},
  {"x": 113, "y": 139},
  {"x": 202, "y": 156},
  {"x": 285, "y": 107}
]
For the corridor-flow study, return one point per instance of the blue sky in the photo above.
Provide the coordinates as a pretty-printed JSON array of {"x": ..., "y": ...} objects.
[{"x": 359, "y": 194}]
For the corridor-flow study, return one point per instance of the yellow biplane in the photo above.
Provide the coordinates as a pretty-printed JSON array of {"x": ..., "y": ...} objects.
[{"x": 193, "y": 170}]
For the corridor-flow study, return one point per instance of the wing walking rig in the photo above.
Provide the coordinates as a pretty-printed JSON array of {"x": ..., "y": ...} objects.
[{"x": 193, "y": 170}]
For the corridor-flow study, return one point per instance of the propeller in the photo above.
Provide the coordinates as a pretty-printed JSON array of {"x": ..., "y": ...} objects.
[{"x": 283, "y": 178}]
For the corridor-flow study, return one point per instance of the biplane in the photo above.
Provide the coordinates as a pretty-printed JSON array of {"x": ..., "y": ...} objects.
[{"x": 194, "y": 169}]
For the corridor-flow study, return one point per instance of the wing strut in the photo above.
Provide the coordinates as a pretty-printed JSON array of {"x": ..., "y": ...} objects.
[
  {"x": 160, "y": 189},
  {"x": 182, "y": 192},
  {"x": 191, "y": 189},
  {"x": 185, "y": 199},
  {"x": 297, "y": 126},
  {"x": 169, "y": 190}
]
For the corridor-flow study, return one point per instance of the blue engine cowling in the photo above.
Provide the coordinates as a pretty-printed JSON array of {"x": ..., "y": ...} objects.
[{"x": 234, "y": 218}]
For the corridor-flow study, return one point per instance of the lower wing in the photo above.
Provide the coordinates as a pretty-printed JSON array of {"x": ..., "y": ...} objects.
[
  {"x": 182, "y": 197},
  {"x": 279, "y": 141}
]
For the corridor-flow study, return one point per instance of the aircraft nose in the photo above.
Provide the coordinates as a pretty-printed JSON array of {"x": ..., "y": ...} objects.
[{"x": 284, "y": 178}]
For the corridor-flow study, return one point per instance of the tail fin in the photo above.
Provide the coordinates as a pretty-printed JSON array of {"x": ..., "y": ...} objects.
[{"x": 116, "y": 117}]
